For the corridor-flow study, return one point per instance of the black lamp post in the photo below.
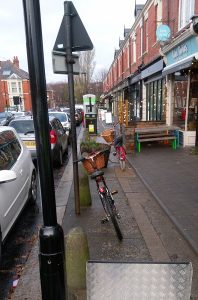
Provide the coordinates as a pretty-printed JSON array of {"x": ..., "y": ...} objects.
[{"x": 51, "y": 252}]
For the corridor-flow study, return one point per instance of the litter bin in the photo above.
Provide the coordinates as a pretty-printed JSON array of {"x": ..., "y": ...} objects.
[{"x": 91, "y": 123}]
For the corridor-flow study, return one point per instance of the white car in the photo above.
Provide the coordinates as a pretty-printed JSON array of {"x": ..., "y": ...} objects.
[{"x": 18, "y": 182}]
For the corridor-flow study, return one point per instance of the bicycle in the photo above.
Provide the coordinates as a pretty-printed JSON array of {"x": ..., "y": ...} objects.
[
  {"x": 93, "y": 164},
  {"x": 120, "y": 152},
  {"x": 109, "y": 137}
]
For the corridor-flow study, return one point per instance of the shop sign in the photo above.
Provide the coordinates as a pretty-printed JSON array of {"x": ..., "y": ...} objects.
[
  {"x": 183, "y": 50},
  {"x": 180, "y": 52},
  {"x": 163, "y": 33}
]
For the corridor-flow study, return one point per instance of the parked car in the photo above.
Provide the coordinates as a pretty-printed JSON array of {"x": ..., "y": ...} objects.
[
  {"x": 64, "y": 119},
  {"x": 80, "y": 112},
  {"x": 66, "y": 110},
  {"x": 5, "y": 117},
  {"x": 18, "y": 179},
  {"x": 57, "y": 134},
  {"x": 19, "y": 114},
  {"x": 78, "y": 117},
  {"x": 59, "y": 140},
  {"x": 25, "y": 128}
]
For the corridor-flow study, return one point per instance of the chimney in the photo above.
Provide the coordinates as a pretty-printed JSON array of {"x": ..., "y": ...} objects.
[{"x": 16, "y": 62}]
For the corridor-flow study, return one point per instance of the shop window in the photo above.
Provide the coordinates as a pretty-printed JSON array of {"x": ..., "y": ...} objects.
[
  {"x": 134, "y": 107},
  {"x": 186, "y": 11},
  {"x": 179, "y": 113},
  {"x": 180, "y": 104},
  {"x": 154, "y": 101}
]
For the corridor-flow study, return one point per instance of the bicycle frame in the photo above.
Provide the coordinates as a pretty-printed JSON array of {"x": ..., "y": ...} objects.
[{"x": 120, "y": 152}]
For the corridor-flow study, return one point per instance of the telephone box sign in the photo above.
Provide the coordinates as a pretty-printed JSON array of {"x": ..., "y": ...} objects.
[{"x": 163, "y": 33}]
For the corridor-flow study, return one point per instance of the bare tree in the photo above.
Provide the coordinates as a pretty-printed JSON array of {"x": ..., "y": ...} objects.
[
  {"x": 82, "y": 82},
  {"x": 101, "y": 75},
  {"x": 84, "y": 79},
  {"x": 60, "y": 93}
]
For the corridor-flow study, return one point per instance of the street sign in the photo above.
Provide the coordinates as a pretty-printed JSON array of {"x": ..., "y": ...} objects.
[
  {"x": 59, "y": 63},
  {"x": 80, "y": 39}
]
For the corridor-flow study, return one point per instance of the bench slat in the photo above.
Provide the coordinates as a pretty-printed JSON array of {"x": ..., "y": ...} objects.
[
  {"x": 154, "y": 135},
  {"x": 156, "y": 139}
]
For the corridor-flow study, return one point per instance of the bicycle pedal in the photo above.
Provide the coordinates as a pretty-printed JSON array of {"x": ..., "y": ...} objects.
[
  {"x": 104, "y": 220},
  {"x": 114, "y": 192}
]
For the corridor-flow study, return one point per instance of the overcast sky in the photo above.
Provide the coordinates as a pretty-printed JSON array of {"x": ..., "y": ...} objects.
[{"x": 104, "y": 21}]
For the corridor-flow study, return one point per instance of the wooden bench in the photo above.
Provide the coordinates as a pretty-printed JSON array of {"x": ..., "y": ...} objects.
[{"x": 161, "y": 133}]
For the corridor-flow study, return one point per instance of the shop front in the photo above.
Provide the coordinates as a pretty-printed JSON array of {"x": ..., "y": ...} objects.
[
  {"x": 135, "y": 98},
  {"x": 182, "y": 93},
  {"x": 153, "y": 101}
]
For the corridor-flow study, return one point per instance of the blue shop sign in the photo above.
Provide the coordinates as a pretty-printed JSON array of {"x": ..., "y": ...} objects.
[
  {"x": 182, "y": 50},
  {"x": 163, "y": 33}
]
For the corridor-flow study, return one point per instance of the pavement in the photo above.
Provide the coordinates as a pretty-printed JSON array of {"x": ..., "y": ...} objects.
[{"x": 157, "y": 200}]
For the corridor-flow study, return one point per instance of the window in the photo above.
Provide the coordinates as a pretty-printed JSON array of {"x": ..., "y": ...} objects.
[
  {"x": 146, "y": 35},
  {"x": 10, "y": 150},
  {"x": 134, "y": 50},
  {"x": 186, "y": 11},
  {"x": 128, "y": 56},
  {"x": 154, "y": 106},
  {"x": 156, "y": 18},
  {"x": 135, "y": 111},
  {"x": 6, "y": 72},
  {"x": 14, "y": 87},
  {"x": 141, "y": 39},
  {"x": 19, "y": 86},
  {"x": 23, "y": 126}
]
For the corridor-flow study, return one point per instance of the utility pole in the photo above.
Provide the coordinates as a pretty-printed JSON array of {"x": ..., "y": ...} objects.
[{"x": 72, "y": 37}]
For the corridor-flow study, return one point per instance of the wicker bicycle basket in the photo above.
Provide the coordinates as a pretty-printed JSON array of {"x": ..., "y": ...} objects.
[
  {"x": 108, "y": 135},
  {"x": 94, "y": 162}
]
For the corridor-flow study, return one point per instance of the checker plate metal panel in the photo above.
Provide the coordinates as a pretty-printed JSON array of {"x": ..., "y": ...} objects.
[{"x": 138, "y": 281}]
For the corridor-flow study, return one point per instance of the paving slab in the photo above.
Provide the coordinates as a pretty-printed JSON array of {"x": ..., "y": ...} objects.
[{"x": 171, "y": 177}]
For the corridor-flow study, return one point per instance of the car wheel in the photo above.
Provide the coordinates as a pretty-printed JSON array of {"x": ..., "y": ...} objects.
[
  {"x": 33, "y": 188},
  {"x": 60, "y": 158}
]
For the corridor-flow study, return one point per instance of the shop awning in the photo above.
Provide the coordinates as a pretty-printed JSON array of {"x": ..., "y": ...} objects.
[
  {"x": 180, "y": 65},
  {"x": 153, "y": 69}
]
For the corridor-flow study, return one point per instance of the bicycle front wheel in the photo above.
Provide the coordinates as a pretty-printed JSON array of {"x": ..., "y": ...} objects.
[{"x": 112, "y": 214}]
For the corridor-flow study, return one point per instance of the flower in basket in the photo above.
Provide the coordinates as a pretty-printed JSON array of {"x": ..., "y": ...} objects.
[{"x": 89, "y": 146}]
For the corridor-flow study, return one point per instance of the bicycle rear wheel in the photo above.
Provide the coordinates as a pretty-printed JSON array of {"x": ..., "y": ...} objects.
[
  {"x": 112, "y": 213},
  {"x": 122, "y": 164}
]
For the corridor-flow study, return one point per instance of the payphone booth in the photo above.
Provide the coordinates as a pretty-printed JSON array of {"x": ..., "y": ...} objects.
[{"x": 90, "y": 113}]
